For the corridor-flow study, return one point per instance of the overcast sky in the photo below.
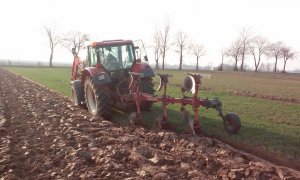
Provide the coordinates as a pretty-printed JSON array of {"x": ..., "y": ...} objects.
[{"x": 212, "y": 23}]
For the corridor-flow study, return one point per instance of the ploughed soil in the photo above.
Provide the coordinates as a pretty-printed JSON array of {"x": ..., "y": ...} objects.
[
  {"x": 276, "y": 98},
  {"x": 43, "y": 136}
]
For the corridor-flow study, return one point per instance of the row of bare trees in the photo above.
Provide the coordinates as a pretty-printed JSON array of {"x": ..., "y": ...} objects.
[
  {"x": 257, "y": 46},
  {"x": 162, "y": 43},
  {"x": 245, "y": 46},
  {"x": 68, "y": 40}
]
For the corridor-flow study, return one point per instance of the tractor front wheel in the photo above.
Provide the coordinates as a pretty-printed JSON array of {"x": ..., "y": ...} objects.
[
  {"x": 98, "y": 99},
  {"x": 232, "y": 122},
  {"x": 77, "y": 93}
]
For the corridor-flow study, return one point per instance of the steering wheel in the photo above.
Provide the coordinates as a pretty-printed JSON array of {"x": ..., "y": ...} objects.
[{"x": 114, "y": 66}]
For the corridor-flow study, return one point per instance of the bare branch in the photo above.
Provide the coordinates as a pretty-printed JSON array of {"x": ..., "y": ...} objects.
[
  {"x": 74, "y": 39},
  {"x": 198, "y": 51},
  {"x": 234, "y": 51},
  {"x": 53, "y": 40},
  {"x": 244, "y": 41},
  {"x": 157, "y": 47},
  {"x": 287, "y": 54},
  {"x": 258, "y": 47},
  {"x": 181, "y": 45},
  {"x": 164, "y": 36},
  {"x": 274, "y": 50}
]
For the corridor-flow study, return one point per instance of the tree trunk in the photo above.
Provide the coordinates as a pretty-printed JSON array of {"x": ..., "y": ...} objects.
[
  {"x": 283, "y": 71},
  {"x": 180, "y": 62},
  {"x": 197, "y": 68},
  {"x": 275, "y": 68},
  {"x": 235, "y": 67},
  {"x": 255, "y": 64},
  {"x": 221, "y": 68},
  {"x": 256, "y": 67},
  {"x": 242, "y": 64},
  {"x": 51, "y": 58},
  {"x": 243, "y": 58},
  {"x": 156, "y": 66},
  {"x": 163, "y": 60}
]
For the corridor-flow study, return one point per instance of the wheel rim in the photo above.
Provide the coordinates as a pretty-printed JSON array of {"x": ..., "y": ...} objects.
[{"x": 91, "y": 100}]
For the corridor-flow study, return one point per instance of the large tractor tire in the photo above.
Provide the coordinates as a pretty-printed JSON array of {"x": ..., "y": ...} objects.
[
  {"x": 232, "y": 122},
  {"x": 98, "y": 99},
  {"x": 147, "y": 86},
  {"x": 78, "y": 93}
]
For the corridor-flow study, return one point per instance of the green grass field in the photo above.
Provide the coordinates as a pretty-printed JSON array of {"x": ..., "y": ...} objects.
[
  {"x": 269, "y": 84},
  {"x": 58, "y": 79},
  {"x": 266, "y": 124}
]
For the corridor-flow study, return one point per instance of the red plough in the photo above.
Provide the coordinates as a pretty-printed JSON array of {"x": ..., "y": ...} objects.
[{"x": 191, "y": 84}]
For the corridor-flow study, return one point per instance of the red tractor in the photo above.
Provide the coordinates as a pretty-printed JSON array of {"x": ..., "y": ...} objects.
[
  {"x": 100, "y": 75},
  {"x": 115, "y": 73}
]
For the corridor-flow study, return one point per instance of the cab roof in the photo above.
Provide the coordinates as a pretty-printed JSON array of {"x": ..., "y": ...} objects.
[{"x": 108, "y": 42}]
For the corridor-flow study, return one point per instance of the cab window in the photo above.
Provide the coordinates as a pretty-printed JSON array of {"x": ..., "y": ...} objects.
[
  {"x": 116, "y": 57},
  {"x": 92, "y": 56},
  {"x": 83, "y": 55}
]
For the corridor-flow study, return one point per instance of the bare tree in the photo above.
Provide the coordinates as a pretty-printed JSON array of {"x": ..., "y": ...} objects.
[
  {"x": 274, "y": 50},
  {"x": 53, "y": 39},
  {"x": 74, "y": 39},
  {"x": 287, "y": 53},
  {"x": 257, "y": 48},
  {"x": 164, "y": 35},
  {"x": 198, "y": 51},
  {"x": 157, "y": 47},
  {"x": 245, "y": 39},
  {"x": 181, "y": 45},
  {"x": 234, "y": 51}
]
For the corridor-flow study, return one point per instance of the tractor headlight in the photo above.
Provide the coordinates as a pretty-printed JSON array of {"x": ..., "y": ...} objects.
[{"x": 101, "y": 77}]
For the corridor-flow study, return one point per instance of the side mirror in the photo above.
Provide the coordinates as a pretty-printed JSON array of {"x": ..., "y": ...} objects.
[{"x": 146, "y": 58}]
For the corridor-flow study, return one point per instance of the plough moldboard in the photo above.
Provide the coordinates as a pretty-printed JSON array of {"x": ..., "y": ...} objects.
[{"x": 191, "y": 84}]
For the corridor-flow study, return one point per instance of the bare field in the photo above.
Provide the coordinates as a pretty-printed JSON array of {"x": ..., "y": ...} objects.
[
  {"x": 269, "y": 125},
  {"x": 43, "y": 136}
]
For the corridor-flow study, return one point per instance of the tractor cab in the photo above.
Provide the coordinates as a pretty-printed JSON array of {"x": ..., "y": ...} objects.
[
  {"x": 112, "y": 57},
  {"x": 115, "y": 55},
  {"x": 103, "y": 70},
  {"x": 118, "y": 57}
]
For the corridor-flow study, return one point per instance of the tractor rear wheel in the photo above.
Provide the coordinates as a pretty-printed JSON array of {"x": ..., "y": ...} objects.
[
  {"x": 77, "y": 93},
  {"x": 147, "y": 86},
  {"x": 98, "y": 99},
  {"x": 232, "y": 122}
]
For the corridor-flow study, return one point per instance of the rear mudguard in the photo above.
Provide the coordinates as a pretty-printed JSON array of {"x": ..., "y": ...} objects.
[
  {"x": 143, "y": 68},
  {"x": 98, "y": 75}
]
